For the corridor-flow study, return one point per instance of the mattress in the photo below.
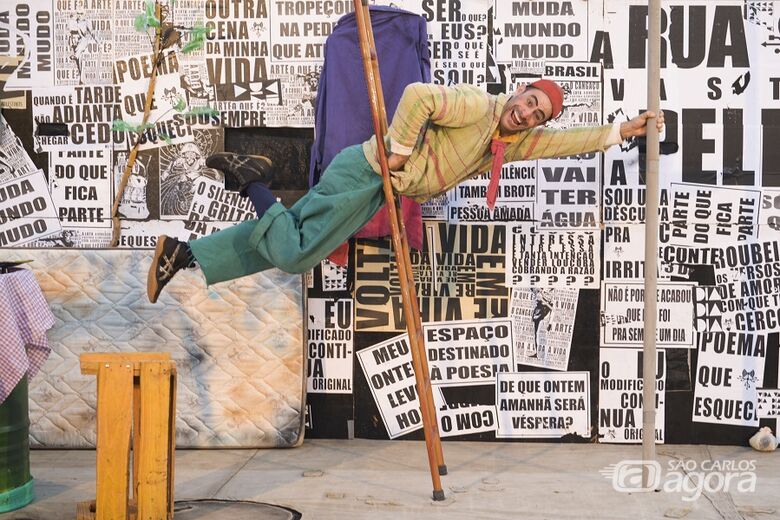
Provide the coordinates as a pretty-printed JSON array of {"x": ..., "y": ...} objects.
[{"x": 238, "y": 348}]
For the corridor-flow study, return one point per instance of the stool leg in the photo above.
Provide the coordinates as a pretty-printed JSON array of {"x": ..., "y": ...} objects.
[
  {"x": 172, "y": 437},
  {"x": 136, "y": 432},
  {"x": 114, "y": 420},
  {"x": 155, "y": 442}
]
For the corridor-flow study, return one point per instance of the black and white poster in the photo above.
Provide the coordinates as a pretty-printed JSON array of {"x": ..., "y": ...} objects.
[
  {"x": 26, "y": 31},
  {"x": 139, "y": 199},
  {"x": 390, "y": 375},
  {"x": 76, "y": 118},
  {"x": 542, "y": 30},
  {"x": 334, "y": 276},
  {"x": 462, "y": 418},
  {"x": 768, "y": 403},
  {"x": 459, "y": 275},
  {"x": 542, "y": 404},
  {"x": 620, "y": 396},
  {"x": 84, "y": 41},
  {"x": 14, "y": 159},
  {"x": 185, "y": 181},
  {"x": 10, "y": 99},
  {"x": 540, "y": 258},
  {"x": 468, "y": 352},
  {"x": 702, "y": 215},
  {"x": 237, "y": 56},
  {"x": 568, "y": 193},
  {"x": 467, "y": 202},
  {"x": 27, "y": 212},
  {"x": 748, "y": 285},
  {"x": 543, "y": 324},
  {"x": 622, "y": 315},
  {"x": 581, "y": 84},
  {"x": 329, "y": 346},
  {"x": 127, "y": 40},
  {"x": 168, "y": 125},
  {"x": 730, "y": 370},
  {"x": 212, "y": 202},
  {"x": 458, "y": 37},
  {"x": 81, "y": 187}
]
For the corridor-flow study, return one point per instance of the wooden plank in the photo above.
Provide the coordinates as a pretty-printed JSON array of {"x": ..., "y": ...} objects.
[
  {"x": 136, "y": 431},
  {"x": 90, "y": 361},
  {"x": 155, "y": 425},
  {"x": 85, "y": 510},
  {"x": 114, "y": 408},
  {"x": 172, "y": 437}
]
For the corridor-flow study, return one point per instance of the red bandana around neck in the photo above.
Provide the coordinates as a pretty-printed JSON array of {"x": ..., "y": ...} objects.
[{"x": 497, "y": 148}]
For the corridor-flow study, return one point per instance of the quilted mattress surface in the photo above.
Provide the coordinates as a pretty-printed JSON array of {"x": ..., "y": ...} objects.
[{"x": 238, "y": 348}]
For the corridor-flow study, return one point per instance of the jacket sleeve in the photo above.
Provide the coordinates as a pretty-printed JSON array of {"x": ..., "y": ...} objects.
[
  {"x": 543, "y": 143},
  {"x": 422, "y": 103}
]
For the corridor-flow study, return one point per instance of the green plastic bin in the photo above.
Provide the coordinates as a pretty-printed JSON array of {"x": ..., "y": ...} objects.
[{"x": 16, "y": 484}]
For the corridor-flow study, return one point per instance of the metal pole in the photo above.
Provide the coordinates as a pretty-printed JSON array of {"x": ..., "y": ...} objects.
[
  {"x": 651, "y": 240},
  {"x": 408, "y": 293}
]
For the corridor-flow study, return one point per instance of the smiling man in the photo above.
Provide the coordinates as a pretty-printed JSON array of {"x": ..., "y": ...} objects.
[{"x": 439, "y": 137}]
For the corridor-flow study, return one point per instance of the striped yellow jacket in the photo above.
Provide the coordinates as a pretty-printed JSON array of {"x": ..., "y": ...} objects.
[{"x": 449, "y": 130}]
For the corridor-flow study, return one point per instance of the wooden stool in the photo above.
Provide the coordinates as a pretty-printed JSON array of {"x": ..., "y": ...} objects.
[{"x": 136, "y": 398}]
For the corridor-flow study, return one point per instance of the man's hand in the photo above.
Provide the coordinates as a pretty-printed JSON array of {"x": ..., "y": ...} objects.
[
  {"x": 396, "y": 161},
  {"x": 637, "y": 127}
]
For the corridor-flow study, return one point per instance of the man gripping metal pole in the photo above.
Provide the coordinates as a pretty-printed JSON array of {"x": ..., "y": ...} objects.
[{"x": 439, "y": 137}]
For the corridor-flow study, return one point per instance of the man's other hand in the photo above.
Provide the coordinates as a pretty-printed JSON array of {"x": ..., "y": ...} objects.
[
  {"x": 396, "y": 161},
  {"x": 637, "y": 127}
]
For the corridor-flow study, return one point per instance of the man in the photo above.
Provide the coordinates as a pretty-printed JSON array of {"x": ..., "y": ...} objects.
[
  {"x": 439, "y": 137},
  {"x": 543, "y": 310}
]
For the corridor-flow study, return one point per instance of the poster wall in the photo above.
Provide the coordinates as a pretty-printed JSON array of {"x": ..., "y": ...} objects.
[{"x": 555, "y": 272}]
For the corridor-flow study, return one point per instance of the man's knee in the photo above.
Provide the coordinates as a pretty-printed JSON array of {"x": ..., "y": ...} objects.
[{"x": 293, "y": 262}]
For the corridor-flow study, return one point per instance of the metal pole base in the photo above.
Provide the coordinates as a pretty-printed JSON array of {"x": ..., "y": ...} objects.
[
  {"x": 438, "y": 496},
  {"x": 443, "y": 469}
]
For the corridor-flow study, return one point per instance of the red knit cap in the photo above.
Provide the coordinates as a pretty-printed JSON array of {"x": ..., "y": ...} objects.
[{"x": 554, "y": 92}]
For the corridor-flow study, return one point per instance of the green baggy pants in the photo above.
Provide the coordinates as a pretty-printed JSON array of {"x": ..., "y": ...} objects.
[{"x": 297, "y": 239}]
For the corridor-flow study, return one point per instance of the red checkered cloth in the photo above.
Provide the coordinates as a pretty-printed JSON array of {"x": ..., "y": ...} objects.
[{"x": 24, "y": 319}]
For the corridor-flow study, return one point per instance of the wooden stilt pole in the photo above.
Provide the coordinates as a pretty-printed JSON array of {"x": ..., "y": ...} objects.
[
  {"x": 401, "y": 247},
  {"x": 420, "y": 345}
]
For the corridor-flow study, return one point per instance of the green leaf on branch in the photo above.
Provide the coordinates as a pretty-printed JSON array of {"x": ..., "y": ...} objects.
[
  {"x": 151, "y": 16},
  {"x": 192, "y": 45},
  {"x": 119, "y": 125},
  {"x": 146, "y": 19},
  {"x": 199, "y": 30},
  {"x": 166, "y": 138},
  {"x": 197, "y": 38},
  {"x": 180, "y": 104},
  {"x": 202, "y": 111},
  {"x": 122, "y": 126},
  {"x": 140, "y": 22}
]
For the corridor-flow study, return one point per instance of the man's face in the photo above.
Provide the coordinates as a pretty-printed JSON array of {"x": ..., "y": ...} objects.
[{"x": 527, "y": 108}]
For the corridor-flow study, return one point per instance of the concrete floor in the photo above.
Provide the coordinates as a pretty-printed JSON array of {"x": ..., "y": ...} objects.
[{"x": 390, "y": 480}]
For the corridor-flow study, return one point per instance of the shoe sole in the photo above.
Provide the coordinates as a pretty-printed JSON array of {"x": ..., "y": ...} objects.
[
  {"x": 262, "y": 158},
  {"x": 151, "y": 278}
]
